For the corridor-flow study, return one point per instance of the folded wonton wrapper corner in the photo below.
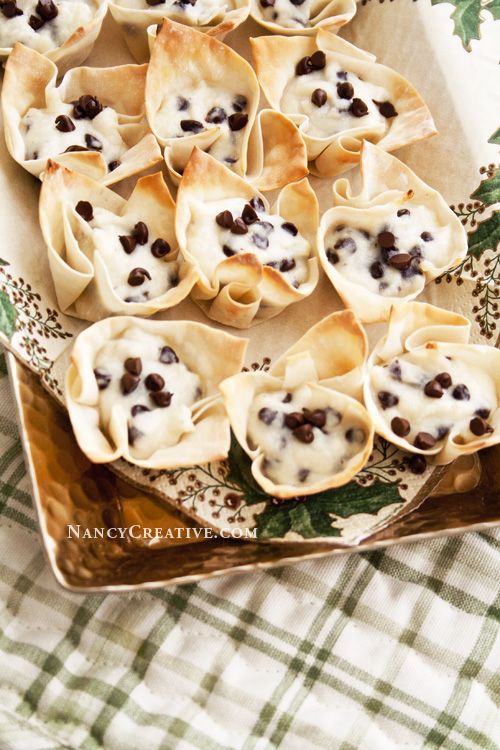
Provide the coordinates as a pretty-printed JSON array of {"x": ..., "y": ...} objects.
[
  {"x": 386, "y": 182},
  {"x": 78, "y": 46},
  {"x": 418, "y": 326},
  {"x": 30, "y": 80},
  {"x": 330, "y": 15},
  {"x": 330, "y": 358},
  {"x": 275, "y": 59},
  {"x": 241, "y": 292},
  {"x": 212, "y": 355},
  {"x": 272, "y": 150},
  {"x": 82, "y": 281}
]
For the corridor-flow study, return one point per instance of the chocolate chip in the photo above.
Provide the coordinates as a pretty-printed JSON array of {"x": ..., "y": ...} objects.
[
  {"x": 216, "y": 115},
  {"x": 416, "y": 252},
  {"x": 239, "y": 227},
  {"x": 249, "y": 215},
  {"x": 64, "y": 124},
  {"x": 10, "y": 9},
  {"x": 400, "y": 261},
  {"x": 303, "y": 474},
  {"x": 168, "y": 356},
  {"x": 395, "y": 370},
  {"x": 260, "y": 241},
  {"x": 267, "y": 3},
  {"x": 46, "y": 9},
  {"x": 403, "y": 212},
  {"x": 433, "y": 389},
  {"x": 417, "y": 464},
  {"x": 267, "y": 415},
  {"x": 114, "y": 165},
  {"x": 386, "y": 239},
  {"x": 287, "y": 264},
  {"x": 484, "y": 413},
  {"x": 129, "y": 383},
  {"x": 85, "y": 210},
  {"x": 237, "y": 121},
  {"x": 319, "y": 97},
  {"x": 93, "y": 143},
  {"x": 332, "y": 256},
  {"x": 358, "y": 108},
  {"x": 318, "y": 60},
  {"x": 293, "y": 420},
  {"x": 154, "y": 382},
  {"x": 304, "y": 433},
  {"x": 342, "y": 75},
  {"x": 290, "y": 228},
  {"x": 346, "y": 243},
  {"x": 461, "y": 392},
  {"x": 316, "y": 417},
  {"x": 182, "y": 103},
  {"x": 70, "y": 149},
  {"x": 133, "y": 434},
  {"x": 376, "y": 269},
  {"x": 103, "y": 378},
  {"x": 355, "y": 435},
  {"x": 386, "y": 109},
  {"x": 138, "y": 409},
  {"x": 345, "y": 90},
  {"x": 36, "y": 23},
  {"x": 441, "y": 432},
  {"x": 265, "y": 226},
  {"x": 224, "y": 219},
  {"x": 140, "y": 233},
  {"x": 239, "y": 103},
  {"x": 138, "y": 276},
  {"x": 426, "y": 237},
  {"x": 161, "y": 398},
  {"x": 128, "y": 243},
  {"x": 257, "y": 203},
  {"x": 133, "y": 365},
  {"x": 228, "y": 251},
  {"x": 400, "y": 427},
  {"x": 230, "y": 160},
  {"x": 444, "y": 379},
  {"x": 192, "y": 126},
  {"x": 287, "y": 399},
  {"x": 86, "y": 106},
  {"x": 160, "y": 248},
  {"x": 424, "y": 441},
  {"x": 387, "y": 399},
  {"x": 479, "y": 426},
  {"x": 303, "y": 67}
]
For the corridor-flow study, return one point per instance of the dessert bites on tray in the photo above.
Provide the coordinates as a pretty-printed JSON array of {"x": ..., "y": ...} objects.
[
  {"x": 303, "y": 17},
  {"x": 337, "y": 95},
  {"x": 64, "y": 31},
  {"x": 381, "y": 247},
  {"x": 108, "y": 255},
  {"x": 428, "y": 390},
  {"x": 147, "y": 391},
  {"x": 212, "y": 103},
  {"x": 92, "y": 122},
  {"x": 251, "y": 261},
  {"x": 301, "y": 423}
]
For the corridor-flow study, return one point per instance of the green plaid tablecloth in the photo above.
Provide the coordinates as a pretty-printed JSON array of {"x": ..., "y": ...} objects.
[{"x": 384, "y": 650}]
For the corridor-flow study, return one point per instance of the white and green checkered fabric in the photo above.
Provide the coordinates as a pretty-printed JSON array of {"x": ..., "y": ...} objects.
[{"x": 384, "y": 650}]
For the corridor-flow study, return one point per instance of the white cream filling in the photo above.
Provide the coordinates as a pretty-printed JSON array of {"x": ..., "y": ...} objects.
[
  {"x": 160, "y": 427},
  {"x": 292, "y": 462},
  {"x": 200, "y": 13},
  {"x": 71, "y": 15},
  {"x": 288, "y": 14},
  {"x": 206, "y": 240}
]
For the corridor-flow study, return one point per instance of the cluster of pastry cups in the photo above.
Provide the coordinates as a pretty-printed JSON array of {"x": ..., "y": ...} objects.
[
  {"x": 78, "y": 46},
  {"x": 275, "y": 60},
  {"x": 387, "y": 183},
  {"x": 241, "y": 291},
  {"x": 272, "y": 151},
  {"x": 329, "y": 15},
  {"x": 82, "y": 282},
  {"x": 31, "y": 82}
]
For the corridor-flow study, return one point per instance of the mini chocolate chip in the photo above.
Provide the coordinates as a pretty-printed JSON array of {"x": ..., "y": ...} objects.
[
  {"x": 400, "y": 427},
  {"x": 287, "y": 399},
  {"x": 168, "y": 355},
  {"x": 287, "y": 264},
  {"x": 304, "y": 433},
  {"x": 182, "y": 103},
  {"x": 433, "y": 389},
  {"x": 461, "y": 392},
  {"x": 257, "y": 203},
  {"x": 64, "y": 124},
  {"x": 400, "y": 261},
  {"x": 417, "y": 464},
  {"x": 416, "y": 252},
  {"x": 224, "y": 219},
  {"x": 138, "y": 276},
  {"x": 114, "y": 165},
  {"x": 128, "y": 243},
  {"x": 303, "y": 67},
  {"x": 249, "y": 215},
  {"x": 318, "y": 60},
  {"x": 484, "y": 413},
  {"x": 319, "y": 97},
  {"x": 395, "y": 370},
  {"x": 332, "y": 256},
  {"x": 138, "y": 409},
  {"x": 192, "y": 126},
  {"x": 441, "y": 432},
  {"x": 260, "y": 241},
  {"x": 386, "y": 239},
  {"x": 355, "y": 435},
  {"x": 161, "y": 398},
  {"x": 237, "y": 121},
  {"x": 290, "y": 228},
  {"x": 216, "y": 115},
  {"x": 479, "y": 426},
  {"x": 316, "y": 417},
  {"x": 426, "y": 237},
  {"x": 239, "y": 103},
  {"x": 386, "y": 109},
  {"x": 10, "y": 9},
  {"x": 293, "y": 420},
  {"x": 160, "y": 248},
  {"x": 85, "y": 210},
  {"x": 133, "y": 365},
  {"x": 46, "y": 9},
  {"x": 424, "y": 441},
  {"x": 103, "y": 378},
  {"x": 267, "y": 415},
  {"x": 376, "y": 269},
  {"x": 36, "y": 23},
  {"x": 228, "y": 251},
  {"x": 303, "y": 474},
  {"x": 230, "y": 160},
  {"x": 129, "y": 383},
  {"x": 358, "y": 108},
  {"x": 342, "y": 75},
  {"x": 403, "y": 212},
  {"x": 70, "y": 149},
  {"x": 345, "y": 90},
  {"x": 267, "y": 3},
  {"x": 86, "y": 106},
  {"x": 387, "y": 399},
  {"x": 265, "y": 226},
  {"x": 140, "y": 233},
  {"x": 154, "y": 382},
  {"x": 444, "y": 379},
  {"x": 239, "y": 227},
  {"x": 93, "y": 143},
  {"x": 346, "y": 243},
  {"x": 133, "y": 434}
]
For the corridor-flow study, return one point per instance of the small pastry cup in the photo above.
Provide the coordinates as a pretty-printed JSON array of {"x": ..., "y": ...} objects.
[{"x": 329, "y": 15}]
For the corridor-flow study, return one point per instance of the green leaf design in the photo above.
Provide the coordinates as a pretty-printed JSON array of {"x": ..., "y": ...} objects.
[
  {"x": 495, "y": 138},
  {"x": 488, "y": 191},
  {"x": 494, "y": 8},
  {"x": 486, "y": 235},
  {"x": 467, "y": 19},
  {"x": 8, "y": 315}
]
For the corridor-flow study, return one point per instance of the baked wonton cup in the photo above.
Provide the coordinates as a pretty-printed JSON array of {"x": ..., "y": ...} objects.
[
  {"x": 93, "y": 272},
  {"x": 217, "y": 84},
  {"x": 428, "y": 390},
  {"x": 301, "y": 423},
  {"x": 40, "y": 121},
  {"x": 138, "y": 20},
  {"x": 251, "y": 261},
  {"x": 327, "y": 108},
  {"x": 75, "y": 41},
  {"x": 380, "y": 248},
  {"x": 147, "y": 391},
  {"x": 285, "y": 17}
]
